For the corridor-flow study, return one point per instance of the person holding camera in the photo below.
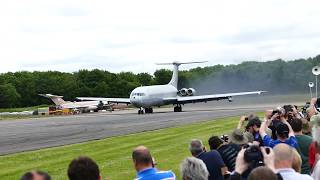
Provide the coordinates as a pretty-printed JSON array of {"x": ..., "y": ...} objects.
[
  {"x": 253, "y": 127},
  {"x": 251, "y": 157},
  {"x": 291, "y": 112},
  {"x": 283, "y": 130}
]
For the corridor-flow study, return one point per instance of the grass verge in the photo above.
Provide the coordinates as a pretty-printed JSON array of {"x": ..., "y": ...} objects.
[
  {"x": 168, "y": 146},
  {"x": 31, "y": 108}
]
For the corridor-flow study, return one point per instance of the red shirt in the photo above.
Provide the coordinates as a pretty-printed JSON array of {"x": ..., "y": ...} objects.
[{"x": 312, "y": 154}]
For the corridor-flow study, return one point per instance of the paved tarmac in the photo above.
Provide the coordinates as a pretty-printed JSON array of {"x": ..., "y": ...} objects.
[{"x": 32, "y": 134}]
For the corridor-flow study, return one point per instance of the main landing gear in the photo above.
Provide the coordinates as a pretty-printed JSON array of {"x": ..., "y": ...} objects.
[
  {"x": 146, "y": 110},
  {"x": 177, "y": 108}
]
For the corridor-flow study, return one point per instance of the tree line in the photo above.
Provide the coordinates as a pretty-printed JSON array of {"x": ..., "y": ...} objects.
[{"x": 20, "y": 89}]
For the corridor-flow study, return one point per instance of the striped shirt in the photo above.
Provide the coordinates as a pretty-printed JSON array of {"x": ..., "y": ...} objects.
[{"x": 229, "y": 154}]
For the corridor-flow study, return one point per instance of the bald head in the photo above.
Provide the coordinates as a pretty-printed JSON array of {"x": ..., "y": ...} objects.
[
  {"x": 262, "y": 173},
  {"x": 142, "y": 156},
  {"x": 283, "y": 154}
]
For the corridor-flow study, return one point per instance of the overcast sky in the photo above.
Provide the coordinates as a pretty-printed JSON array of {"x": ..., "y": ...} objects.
[{"x": 132, "y": 35}]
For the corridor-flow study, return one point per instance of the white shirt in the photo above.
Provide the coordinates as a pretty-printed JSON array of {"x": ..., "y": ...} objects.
[{"x": 290, "y": 174}]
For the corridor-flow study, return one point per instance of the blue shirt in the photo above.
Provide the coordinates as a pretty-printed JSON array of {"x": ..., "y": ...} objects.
[
  {"x": 214, "y": 163},
  {"x": 153, "y": 173},
  {"x": 268, "y": 141},
  {"x": 258, "y": 138}
]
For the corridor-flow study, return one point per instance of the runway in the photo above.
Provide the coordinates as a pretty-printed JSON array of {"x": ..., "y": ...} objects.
[{"x": 32, "y": 134}]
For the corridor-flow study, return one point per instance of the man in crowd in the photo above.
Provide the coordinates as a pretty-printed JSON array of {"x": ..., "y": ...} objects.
[
  {"x": 144, "y": 166},
  {"x": 83, "y": 168},
  {"x": 262, "y": 173},
  {"x": 228, "y": 151},
  {"x": 242, "y": 169},
  {"x": 35, "y": 175},
  {"x": 253, "y": 127},
  {"x": 212, "y": 160},
  {"x": 304, "y": 142},
  {"x": 283, "y": 155},
  {"x": 284, "y": 131},
  {"x": 291, "y": 112},
  {"x": 193, "y": 168}
]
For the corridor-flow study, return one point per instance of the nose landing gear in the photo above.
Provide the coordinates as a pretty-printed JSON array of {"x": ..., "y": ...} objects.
[
  {"x": 140, "y": 111},
  {"x": 177, "y": 108}
]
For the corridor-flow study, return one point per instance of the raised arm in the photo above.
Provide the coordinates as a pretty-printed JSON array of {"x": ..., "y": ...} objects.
[
  {"x": 265, "y": 123},
  {"x": 312, "y": 107},
  {"x": 291, "y": 132},
  {"x": 241, "y": 122}
]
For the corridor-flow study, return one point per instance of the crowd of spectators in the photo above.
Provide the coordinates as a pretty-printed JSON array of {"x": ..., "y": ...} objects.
[{"x": 284, "y": 144}]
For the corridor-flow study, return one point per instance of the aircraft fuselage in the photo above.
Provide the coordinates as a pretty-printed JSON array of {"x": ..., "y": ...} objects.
[{"x": 148, "y": 96}]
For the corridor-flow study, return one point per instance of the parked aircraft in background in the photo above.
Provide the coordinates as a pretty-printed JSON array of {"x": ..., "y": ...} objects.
[
  {"x": 84, "y": 106},
  {"x": 146, "y": 97}
]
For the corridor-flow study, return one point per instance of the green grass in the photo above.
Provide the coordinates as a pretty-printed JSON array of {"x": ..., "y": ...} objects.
[
  {"x": 168, "y": 146},
  {"x": 32, "y": 108},
  {"x": 17, "y": 116}
]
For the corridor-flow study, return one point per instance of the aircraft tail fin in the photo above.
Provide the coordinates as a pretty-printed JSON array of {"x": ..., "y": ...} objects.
[
  {"x": 174, "y": 78},
  {"x": 56, "y": 99}
]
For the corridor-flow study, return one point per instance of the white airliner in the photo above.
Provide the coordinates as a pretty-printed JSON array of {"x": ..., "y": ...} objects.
[
  {"x": 85, "y": 106},
  {"x": 146, "y": 97}
]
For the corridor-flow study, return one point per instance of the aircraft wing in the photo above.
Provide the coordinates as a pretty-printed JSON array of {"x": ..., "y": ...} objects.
[
  {"x": 212, "y": 97},
  {"x": 109, "y": 100}
]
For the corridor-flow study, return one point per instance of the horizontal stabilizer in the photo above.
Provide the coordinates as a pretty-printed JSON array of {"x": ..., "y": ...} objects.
[
  {"x": 179, "y": 63},
  {"x": 56, "y": 99}
]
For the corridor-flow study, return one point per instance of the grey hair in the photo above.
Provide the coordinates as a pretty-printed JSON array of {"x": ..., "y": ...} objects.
[
  {"x": 196, "y": 146},
  {"x": 193, "y": 169}
]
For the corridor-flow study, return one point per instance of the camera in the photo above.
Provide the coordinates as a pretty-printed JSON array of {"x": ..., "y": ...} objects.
[
  {"x": 280, "y": 111},
  {"x": 317, "y": 105},
  {"x": 224, "y": 138},
  {"x": 253, "y": 156},
  {"x": 304, "y": 109},
  {"x": 288, "y": 108},
  {"x": 276, "y": 111}
]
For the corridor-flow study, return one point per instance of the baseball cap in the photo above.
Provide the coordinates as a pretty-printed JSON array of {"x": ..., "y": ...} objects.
[{"x": 282, "y": 129}]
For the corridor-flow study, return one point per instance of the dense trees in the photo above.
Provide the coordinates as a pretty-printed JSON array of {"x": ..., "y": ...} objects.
[
  {"x": 8, "y": 96},
  {"x": 21, "y": 88}
]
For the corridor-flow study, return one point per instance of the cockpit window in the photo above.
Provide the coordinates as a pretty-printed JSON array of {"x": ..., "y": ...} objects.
[{"x": 138, "y": 94}]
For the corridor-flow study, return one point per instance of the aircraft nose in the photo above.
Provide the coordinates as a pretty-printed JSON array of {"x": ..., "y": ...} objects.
[{"x": 136, "y": 101}]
